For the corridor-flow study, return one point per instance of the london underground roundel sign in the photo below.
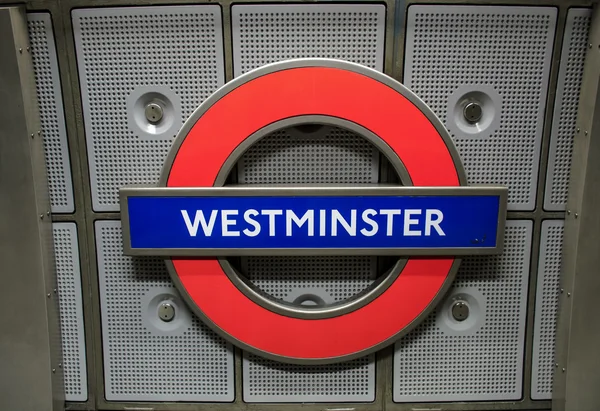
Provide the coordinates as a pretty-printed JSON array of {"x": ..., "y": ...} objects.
[{"x": 195, "y": 220}]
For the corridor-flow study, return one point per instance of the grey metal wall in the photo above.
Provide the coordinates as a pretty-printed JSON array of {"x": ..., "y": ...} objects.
[{"x": 98, "y": 62}]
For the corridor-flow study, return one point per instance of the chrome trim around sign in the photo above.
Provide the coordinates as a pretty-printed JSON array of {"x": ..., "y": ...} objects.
[{"x": 302, "y": 191}]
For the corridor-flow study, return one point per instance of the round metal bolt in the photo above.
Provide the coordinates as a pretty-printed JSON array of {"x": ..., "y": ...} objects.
[
  {"x": 472, "y": 112},
  {"x": 55, "y": 291},
  {"x": 41, "y": 216},
  {"x": 460, "y": 311},
  {"x": 166, "y": 311},
  {"x": 154, "y": 113},
  {"x": 60, "y": 365},
  {"x": 568, "y": 294},
  {"x": 569, "y": 212},
  {"x": 54, "y": 370},
  {"x": 585, "y": 132},
  {"x": 48, "y": 213},
  {"x": 578, "y": 129},
  {"x": 563, "y": 370},
  {"x": 20, "y": 50},
  {"x": 562, "y": 290},
  {"x": 48, "y": 295},
  {"x": 27, "y": 48},
  {"x": 576, "y": 215},
  {"x": 32, "y": 136}
]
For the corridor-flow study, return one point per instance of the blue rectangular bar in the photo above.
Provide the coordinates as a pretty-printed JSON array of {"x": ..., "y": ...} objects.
[{"x": 317, "y": 222}]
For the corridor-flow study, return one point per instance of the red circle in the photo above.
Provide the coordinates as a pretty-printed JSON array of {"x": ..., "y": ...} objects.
[{"x": 312, "y": 91}]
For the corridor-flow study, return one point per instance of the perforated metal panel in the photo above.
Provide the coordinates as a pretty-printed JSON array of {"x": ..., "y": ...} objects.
[
  {"x": 331, "y": 278},
  {"x": 269, "y": 381},
  {"x": 546, "y": 309},
  {"x": 52, "y": 117},
  {"x": 574, "y": 48},
  {"x": 480, "y": 358},
  {"x": 499, "y": 57},
  {"x": 265, "y": 34},
  {"x": 327, "y": 155},
  {"x": 146, "y": 358},
  {"x": 132, "y": 56},
  {"x": 71, "y": 311},
  {"x": 324, "y": 155}
]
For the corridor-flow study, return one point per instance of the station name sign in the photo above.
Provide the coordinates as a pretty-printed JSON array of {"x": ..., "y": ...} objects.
[{"x": 313, "y": 221}]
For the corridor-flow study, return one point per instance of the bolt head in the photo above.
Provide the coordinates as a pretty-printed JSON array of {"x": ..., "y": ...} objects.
[
  {"x": 154, "y": 113},
  {"x": 472, "y": 112},
  {"x": 460, "y": 311},
  {"x": 166, "y": 311}
]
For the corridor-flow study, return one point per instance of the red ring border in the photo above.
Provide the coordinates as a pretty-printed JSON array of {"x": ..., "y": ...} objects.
[{"x": 294, "y": 92}]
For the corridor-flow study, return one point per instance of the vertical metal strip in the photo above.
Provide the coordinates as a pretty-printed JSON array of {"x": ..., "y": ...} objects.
[
  {"x": 576, "y": 378},
  {"x": 30, "y": 347}
]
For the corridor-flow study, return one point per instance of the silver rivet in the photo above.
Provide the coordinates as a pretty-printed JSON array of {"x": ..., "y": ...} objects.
[
  {"x": 556, "y": 365},
  {"x": 41, "y": 216},
  {"x": 585, "y": 132},
  {"x": 27, "y": 48},
  {"x": 55, "y": 291},
  {"x": 562, "y": 290},
  {"x": 60, "y": 365},
  {"x": 569, "y": 212},
  {"x": 153, "y": 112},
  {"x": 576, "y": 215},
  {"x": 166, "y": 311},
  {"x": 20, "y": 50},
  {"x": 460, "y": 311},
  {"x": 472, "y": 112},
  {"x": 48, "y": 213},
  {"x": 48, "y": 295},
  {"x": 32, "y": 136},
  {"x": 568, "y": 294},
  {"x": 39, "y": 132},
  {"x": 563, "y": 370},
  {"x": 54, "y": 370}
]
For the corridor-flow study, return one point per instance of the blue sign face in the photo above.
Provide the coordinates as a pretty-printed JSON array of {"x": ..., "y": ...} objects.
[{"x": 234, "y": 221}]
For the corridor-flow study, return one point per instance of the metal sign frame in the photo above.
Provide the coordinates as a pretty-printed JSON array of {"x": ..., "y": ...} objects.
[
  {"x": 209, "y": 145},
  {"x": 335, "y": 191}
]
